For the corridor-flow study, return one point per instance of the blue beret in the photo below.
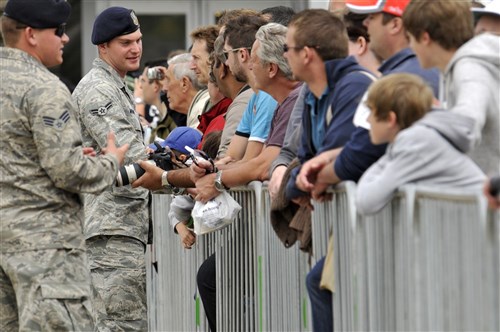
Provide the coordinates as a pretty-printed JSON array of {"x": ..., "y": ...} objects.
[
  {"x": 38, "y": 14},
  {"x": 114, "y": 22}
]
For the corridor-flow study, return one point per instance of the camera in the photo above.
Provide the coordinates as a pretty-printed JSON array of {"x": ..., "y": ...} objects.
[
  {"x": 495, "y": 186},
  {"x": 197, "y": 155},
  {"x": 155, "y": 73},
  {"x": 161, "y": 157}
]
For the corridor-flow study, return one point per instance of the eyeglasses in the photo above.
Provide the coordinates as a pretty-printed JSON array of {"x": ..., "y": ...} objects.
[
  {"x": 60, "y": 30},
  {"x": 225, "y": 53},
  {"x": 287, "y": 48}
]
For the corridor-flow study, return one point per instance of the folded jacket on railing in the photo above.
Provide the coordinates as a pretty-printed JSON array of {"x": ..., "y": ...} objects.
[{"x": 289, "y": 220}]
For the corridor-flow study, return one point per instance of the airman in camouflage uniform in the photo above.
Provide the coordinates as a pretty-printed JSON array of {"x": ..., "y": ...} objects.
[
  {"x": 116, "y": 222},
  {"x": 44, "y": 280}
]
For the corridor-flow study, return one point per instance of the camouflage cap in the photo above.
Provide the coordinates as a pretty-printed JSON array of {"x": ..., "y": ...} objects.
[
  {"x": 114, "y": 22},
  {"x": 38, "y": 14}
]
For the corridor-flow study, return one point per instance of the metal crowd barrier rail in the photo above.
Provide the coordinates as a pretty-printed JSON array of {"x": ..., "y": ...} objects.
[
  {"x": 449, "y": 264},
  {"x": 283, "y": 301},
  {"x": 173, "y": 301},
  {"x": 427, "y": 261}
]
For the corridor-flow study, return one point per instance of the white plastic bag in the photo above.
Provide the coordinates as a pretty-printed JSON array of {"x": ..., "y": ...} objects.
[{"x": 215, "y": 214}]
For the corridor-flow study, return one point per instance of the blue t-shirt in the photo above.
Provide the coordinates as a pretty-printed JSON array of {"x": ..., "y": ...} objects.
[
  {"x": 318, "y": 109},
  {"x": 256, "y": 121}
]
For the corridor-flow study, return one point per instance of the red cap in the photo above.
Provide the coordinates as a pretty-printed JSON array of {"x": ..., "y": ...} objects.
[{"x": 394, "y": 7}]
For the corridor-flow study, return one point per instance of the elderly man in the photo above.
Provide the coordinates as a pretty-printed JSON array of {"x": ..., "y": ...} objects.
[
  {"x": 116, "y": 221},
  {"x": 44, "y": 279},
  {"x": 182, "y": 87}
]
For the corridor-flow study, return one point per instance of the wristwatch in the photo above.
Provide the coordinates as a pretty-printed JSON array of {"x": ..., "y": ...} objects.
[
  {"x": 164, "y": 181},
  {"x": 218, "y": 182},
  {"x": 138, "y": 101}
]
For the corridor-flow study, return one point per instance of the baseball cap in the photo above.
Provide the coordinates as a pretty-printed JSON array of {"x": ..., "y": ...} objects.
[
  {"x": 40, "y": 14},
  {"x": 114, "y": 22},
  {"x": 394, "y": 7},
  {"x": 180, "y": 137},
  {"x": 492, "y": 8}
]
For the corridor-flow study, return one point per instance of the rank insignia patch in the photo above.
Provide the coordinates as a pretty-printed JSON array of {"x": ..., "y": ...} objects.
[
  {"x": 101, "y": 111},
  {"x": 57, "y": 123}
]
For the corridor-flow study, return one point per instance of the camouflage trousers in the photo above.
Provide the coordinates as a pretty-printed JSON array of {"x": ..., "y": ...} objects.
[
  {"x": 45, "y": 290},
  {"x": 118, "y": 283}
]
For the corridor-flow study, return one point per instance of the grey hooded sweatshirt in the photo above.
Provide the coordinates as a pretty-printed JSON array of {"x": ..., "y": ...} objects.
[
  {"x": 430, "y": 153},
  {"x": 470, "y": 86}
]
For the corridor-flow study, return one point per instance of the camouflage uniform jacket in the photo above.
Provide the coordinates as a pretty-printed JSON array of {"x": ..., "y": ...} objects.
[
  {"x": 42, "y": 166},
  {"x": 104, "y": 104}
]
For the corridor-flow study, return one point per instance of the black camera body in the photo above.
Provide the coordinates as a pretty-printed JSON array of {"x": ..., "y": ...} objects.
[{"x": 161, "y": 158}]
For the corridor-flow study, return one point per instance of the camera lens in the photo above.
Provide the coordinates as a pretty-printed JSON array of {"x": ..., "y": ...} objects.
[{"x": 129, "y": 173}]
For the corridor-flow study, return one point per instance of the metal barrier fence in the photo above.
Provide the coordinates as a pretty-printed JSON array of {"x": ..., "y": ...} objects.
[{"x": 427, "y": 261}]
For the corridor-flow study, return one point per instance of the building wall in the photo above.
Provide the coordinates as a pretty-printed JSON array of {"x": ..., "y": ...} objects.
[{"x": 194, "y": 13}]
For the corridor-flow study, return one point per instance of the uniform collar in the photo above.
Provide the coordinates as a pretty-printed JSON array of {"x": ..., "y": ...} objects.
[{"x": 120, "y": 82}]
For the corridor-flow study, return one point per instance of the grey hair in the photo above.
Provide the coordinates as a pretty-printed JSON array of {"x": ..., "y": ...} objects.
[
  {"x": 219, "y": 49},
  {"x": 182, "y": 67},
  {"x": 272, "y": 38}
]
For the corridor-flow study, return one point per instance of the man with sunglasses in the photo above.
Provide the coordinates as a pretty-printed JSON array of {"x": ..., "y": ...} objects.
[
  {"x": 117, "y": 221},
  {"x": 252, "y": 131},
  {"x": 44, "y": 279},
  {"x": 335, "y": 84}
]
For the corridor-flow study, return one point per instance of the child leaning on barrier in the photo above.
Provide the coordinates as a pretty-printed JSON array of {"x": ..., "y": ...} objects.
[
  {"x": 426, "y": 147},
  {"x": 182, "y": 206}
]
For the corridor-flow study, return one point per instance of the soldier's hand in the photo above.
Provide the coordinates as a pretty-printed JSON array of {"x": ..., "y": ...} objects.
[
  {"x": 89, "y": 151},
  {"x": 112, "y": 149}
]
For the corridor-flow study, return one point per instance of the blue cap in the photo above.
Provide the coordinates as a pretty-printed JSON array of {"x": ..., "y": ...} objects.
[
  {"x": 114, "y": 22},
  {"x": 180, "y": 137},
  {"x": 38, "y": 14}
]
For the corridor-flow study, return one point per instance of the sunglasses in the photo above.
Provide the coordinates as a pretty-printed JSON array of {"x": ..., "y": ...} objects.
[
  {"x": 287, "y": 48},
  {"x": 225, "y": 53},
  {"x": 60, "y": 30}
]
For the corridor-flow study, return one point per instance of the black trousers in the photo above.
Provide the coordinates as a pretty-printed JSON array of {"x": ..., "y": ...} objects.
[{"x": 206, "y": 287}]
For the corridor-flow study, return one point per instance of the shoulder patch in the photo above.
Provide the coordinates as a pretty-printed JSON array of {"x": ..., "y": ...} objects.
[
  {"x": 101, "y": 111},
  {"x": 58, "y": 123}
]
